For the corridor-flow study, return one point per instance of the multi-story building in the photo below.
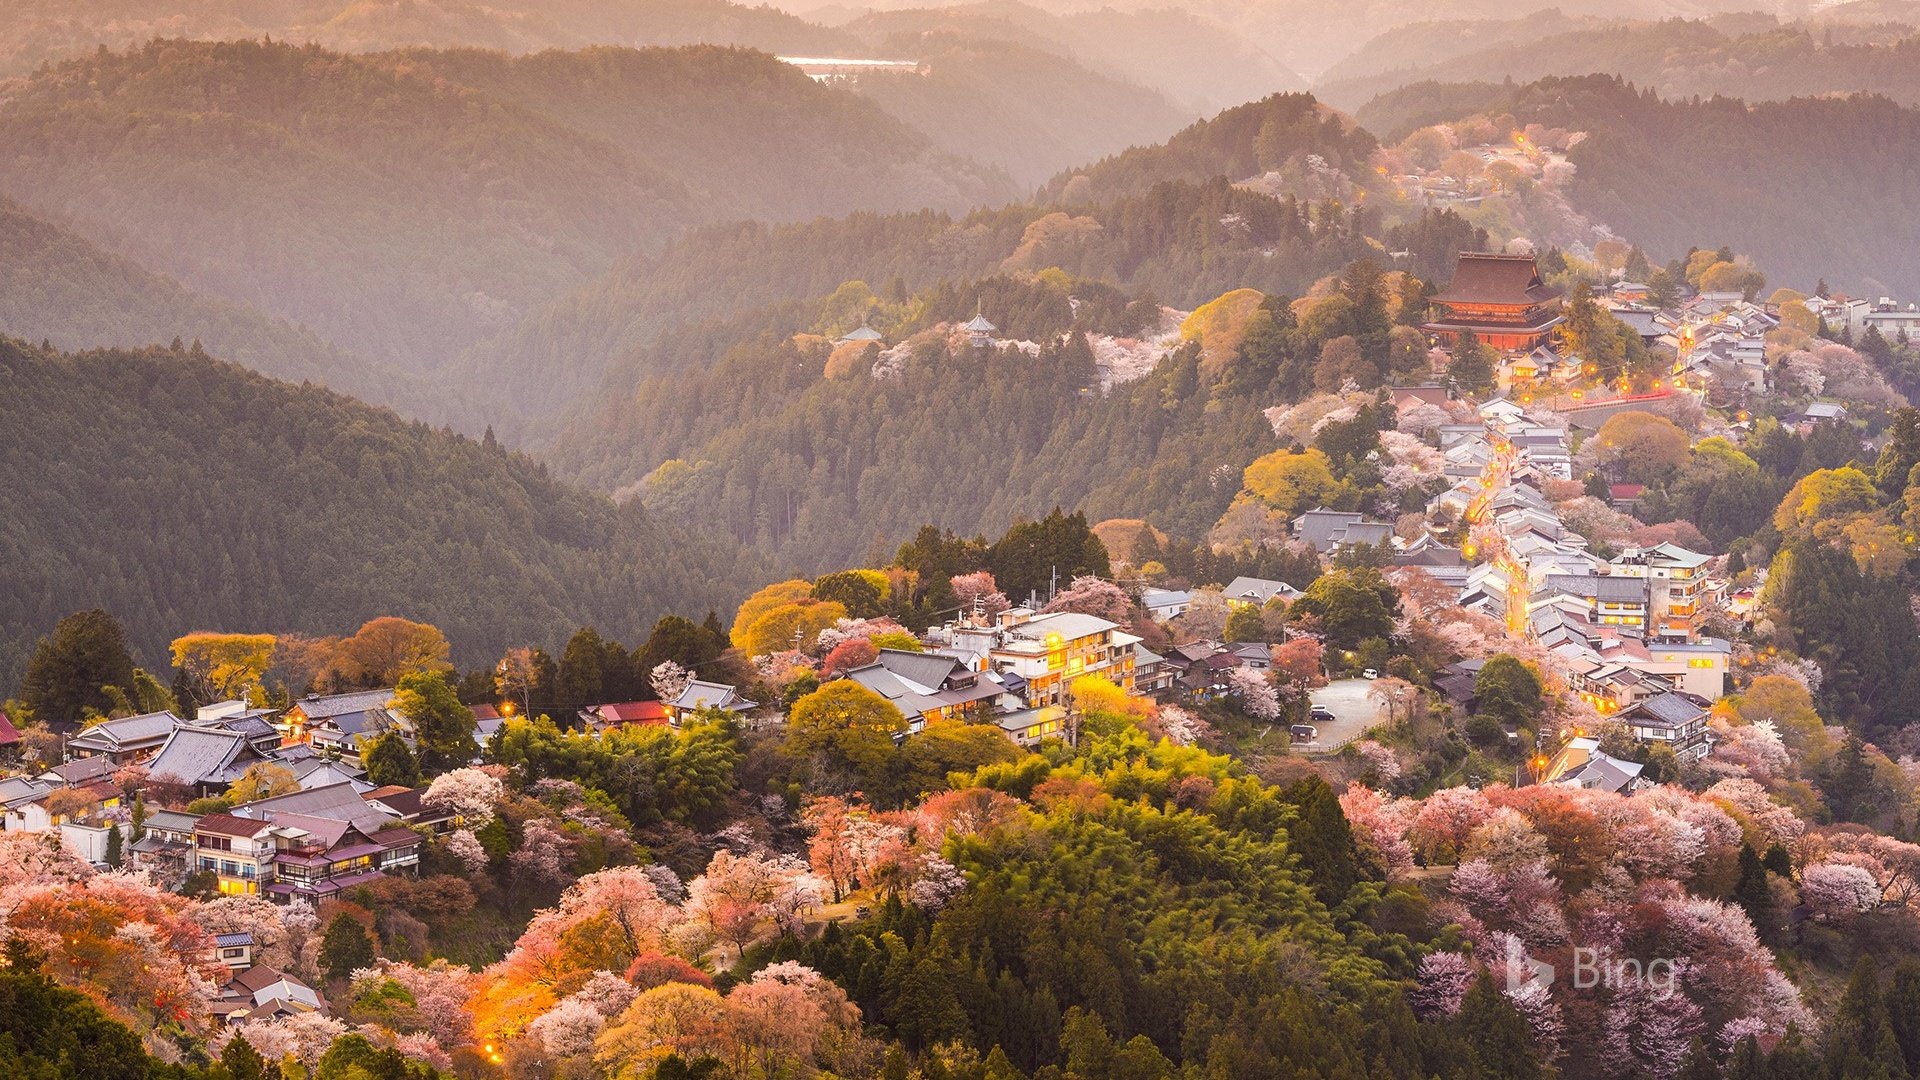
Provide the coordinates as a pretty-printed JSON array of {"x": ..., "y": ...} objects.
[
  {"x": 1048, "y": 652},
  {"x": 1675, "y": 580},
  {"x": 238, "y": 851}
]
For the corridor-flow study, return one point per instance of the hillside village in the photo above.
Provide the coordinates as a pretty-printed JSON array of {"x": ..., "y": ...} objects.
[{"x": 1514, "y": 628}]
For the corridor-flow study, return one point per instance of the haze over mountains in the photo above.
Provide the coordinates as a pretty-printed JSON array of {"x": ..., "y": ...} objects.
[{"x": 621, "y": 258}]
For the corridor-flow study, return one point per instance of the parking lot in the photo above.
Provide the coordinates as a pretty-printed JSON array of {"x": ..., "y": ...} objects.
[{"x": 1353, "y": 713}]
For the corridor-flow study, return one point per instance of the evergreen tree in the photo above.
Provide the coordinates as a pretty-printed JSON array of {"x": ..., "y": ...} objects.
[
  {"x": 1321, "y": 838},
  {"x": 1860, "y": 1040},
  {"x": 115, "y": 854},
  {"x": 390, "y": 761},
  {"x": 243, "y": 1062},
  {"x": 1903, "y": 1011},
  {"x": 345, "y": 948},
  {"x": 72, "y": 668},
  {"x": 1496, "y": 1035},
  {"x": 1471, "y": 367}
]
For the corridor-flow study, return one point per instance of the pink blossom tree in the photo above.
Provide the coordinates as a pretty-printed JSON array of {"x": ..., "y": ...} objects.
[{"x": 1093, "y": 596}]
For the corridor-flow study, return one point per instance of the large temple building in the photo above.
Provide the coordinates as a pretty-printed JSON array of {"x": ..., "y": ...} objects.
[{"x": 1500, "y": 300}]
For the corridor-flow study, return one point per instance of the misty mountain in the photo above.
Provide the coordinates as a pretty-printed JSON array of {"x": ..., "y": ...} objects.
[
  {"x": 42, "y": 31},
  {"x": 403, "y": 214},
  {"x": 1198, "y": 64},
  {"x": 178, "y": 492},
  {"x": 57, "y": 287},
  {"x": 1028, "y": 111},
  {"x": 1161, "y": 219},
  {"x": 1749, "y": 57}
]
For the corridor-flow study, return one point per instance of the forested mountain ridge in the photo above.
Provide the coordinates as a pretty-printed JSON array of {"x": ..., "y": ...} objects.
[
  {"x": 179, "y": 491},
  {"x": 1266, "y": 135},
  {"x": 403, "y": 215},
  {"x": 1183, "y": 243}
]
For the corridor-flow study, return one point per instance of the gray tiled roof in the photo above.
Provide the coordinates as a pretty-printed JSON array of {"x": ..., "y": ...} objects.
[
  {"x": 1671, "y": 709},
  {"x": 109, "y": 735},
  {"x": 1613, "y": 590},
  {"x": 321, "y": 707},
  {"x": 197, "y": 755}
]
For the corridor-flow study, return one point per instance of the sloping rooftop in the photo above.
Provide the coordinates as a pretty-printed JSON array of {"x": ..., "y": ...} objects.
[
  {"x": 340, "y": 802},
  {"x": 1496, "y": 279},
  {"x": 111, "y": 735},
  {"x": 703, "y": 695},
  {"x": 1671, "y": 709},
  {"x": 198, "y": 755},
  {"x": 321, "y": 707},
  {"x": 1259, "y": 590}
]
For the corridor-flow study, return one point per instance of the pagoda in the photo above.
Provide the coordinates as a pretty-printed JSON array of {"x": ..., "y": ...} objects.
[
  {"x": 1500, "y": 300},
  {"x": 979, "y": 331}
]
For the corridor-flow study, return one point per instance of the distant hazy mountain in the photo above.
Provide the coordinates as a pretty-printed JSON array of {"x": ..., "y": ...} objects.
[
  {"x": 57, "y": 287},
  {"x": 407, "y": 205},
  {"x": 1310, "y": 36},
  {"x": 1028, "y": 111},
  {"x": 179, "y": 492},
  {"x": 37, "y": 31},
  {"x": 1748, "y": 56},
  {"x": 1197, "y": 63}
]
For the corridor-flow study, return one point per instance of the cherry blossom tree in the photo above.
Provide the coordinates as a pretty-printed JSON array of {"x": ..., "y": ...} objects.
[
  {"x": 1838, "y": 891},
  {"x": 936, "y": 882},
  {"x": 1445, "y": 819},
  {"x": 1258, "y": 699},
  {"x": 1094, "y": 596},
  {"x": 784, "y": 1019},
  {"x": 303, "y": 1037},
  {"x": 669, "y": 680},
  {"x": 1378, "y": 830},
  {"x": 463, "y": 845},
  {"x": 1441, "y": 984},
  {"x": 966, "y": 812},
  {"x": 543, "y": 854},
  {"x": 1650, "y": 1028},
  {"x": 1300, "y": 664},
  {"x": 738, "y": 895},
  {"x": 978, "y": 592},
  {"x": 471, "y": 795}
]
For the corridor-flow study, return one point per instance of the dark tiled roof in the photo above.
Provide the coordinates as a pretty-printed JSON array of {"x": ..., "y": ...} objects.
[
  {"x": 322, "y": 707},
  {"x": 1496, "y": 279},
  {"x": 1672, "y": 709}
]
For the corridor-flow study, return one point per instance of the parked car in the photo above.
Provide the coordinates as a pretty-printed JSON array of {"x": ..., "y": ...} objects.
[
  {"x": 1370, "y": 673},
  {"x": 1304, "y": 733},
  {"x": 1320, "y": 714}
]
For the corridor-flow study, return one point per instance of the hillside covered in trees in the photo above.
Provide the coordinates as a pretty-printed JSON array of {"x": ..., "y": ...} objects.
[
  {"x": 1666, "y": 172},
  {"x": 181, "y": 492}
]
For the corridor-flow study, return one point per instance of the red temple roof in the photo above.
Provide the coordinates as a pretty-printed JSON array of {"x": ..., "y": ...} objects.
[{"x": 1497, "y": 279}]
